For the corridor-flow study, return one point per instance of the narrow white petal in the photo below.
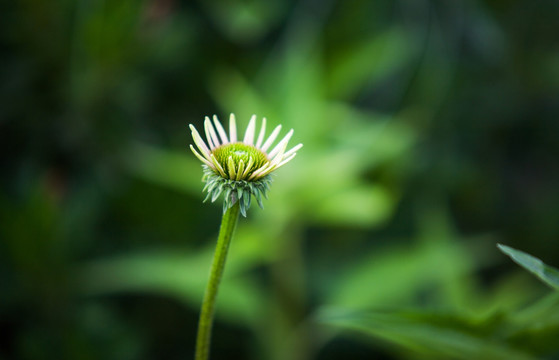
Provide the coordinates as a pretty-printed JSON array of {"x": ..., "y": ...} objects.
[
  {"x": 212, "y": 132},
  {"x": 204, "y": 160},
  {"x": 208, "y": 137},
  {"x": 199, "y": 142},
  {"x": 271, "y": 138},
  {"x": 218, "y": 166},
  {"x": 265, "y": 169},
  {"x": 231, "y": 167},
  {"x": 249, "y": 134},
  {"x": 220, "y": 130},
  {"x": 278, "y": 156},
  {"x": 208, "y": 128},
  {"x": 281, "y": 144},
  {"x": 232, "y": 129},
  {"x": 253, "y": 176},
  {"x": 293, "y": 150},
  {"x": 286, "y": 160},
  {"x": 249, "y": 165},
  {"x": 261, "y": 135}
]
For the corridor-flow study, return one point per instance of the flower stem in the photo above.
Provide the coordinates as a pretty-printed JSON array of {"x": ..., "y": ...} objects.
[{"x": 228, "y": 225}]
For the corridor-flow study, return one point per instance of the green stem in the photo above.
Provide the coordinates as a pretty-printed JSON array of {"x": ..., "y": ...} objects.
[{"x": 228, "y": 224}]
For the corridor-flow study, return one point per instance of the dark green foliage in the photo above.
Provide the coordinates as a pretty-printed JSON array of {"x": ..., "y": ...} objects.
[{"x": 430, "y": 131}]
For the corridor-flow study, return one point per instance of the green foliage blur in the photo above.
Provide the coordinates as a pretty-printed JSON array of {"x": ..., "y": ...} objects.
[{"x": 431, "y": 134}]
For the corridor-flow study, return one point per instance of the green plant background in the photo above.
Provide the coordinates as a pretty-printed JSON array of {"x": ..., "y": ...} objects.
[{"x": 431, "y": 134}]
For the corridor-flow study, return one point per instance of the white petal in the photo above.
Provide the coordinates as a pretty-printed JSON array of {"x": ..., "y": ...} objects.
[
  {"x": 271, "y": 138},
  {"x": 220, "y": 130},
  {"x": 232, "y": 129},
  {"x": 215, "y": 139},
  {"x": 203, "y": 159},
  {"x": 249, "y": 165},
  {"x": 278, "y": 157},
  {"x": 281, "y": 144},
  {"x": 199, "y": 142},
  {"x": 261, "y": 135},
  {"x": 218, "y": 166},
  {"x": 293, "y": 150},
  {"x": 261, "y": 171},
  {"x": 286, "y": 160},
  {"x": 210, "y": 134},
  {"x": 249, "y": 134}
]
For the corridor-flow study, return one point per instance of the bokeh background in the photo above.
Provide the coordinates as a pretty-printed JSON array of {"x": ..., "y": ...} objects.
[{"x": 430, "y": 131}]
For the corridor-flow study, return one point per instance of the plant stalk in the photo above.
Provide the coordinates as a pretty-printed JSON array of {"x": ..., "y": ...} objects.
[{"x": 228, "y": 225}]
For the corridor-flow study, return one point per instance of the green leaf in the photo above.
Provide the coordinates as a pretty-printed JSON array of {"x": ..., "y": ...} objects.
[
  {"x": 546, "y": 273},
  {"x": 176, "y": 170},
  {"x": 397, "y": 274},
  {"x": 181, "y": 276},
  {"x": 359, "y": 205},
  {"x": 369, "y": 61},
  {"x": 537, "y": 326},
  {"x": 434, "y": 334}
]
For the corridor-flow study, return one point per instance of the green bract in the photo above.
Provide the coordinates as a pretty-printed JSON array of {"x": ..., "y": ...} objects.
[
  {"x": 239, "y": 169},
  {"x": 235, "y": 190}
]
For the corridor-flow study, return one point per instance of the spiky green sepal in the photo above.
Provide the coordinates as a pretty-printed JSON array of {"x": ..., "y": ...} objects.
[{"x": 235, "y": 190}]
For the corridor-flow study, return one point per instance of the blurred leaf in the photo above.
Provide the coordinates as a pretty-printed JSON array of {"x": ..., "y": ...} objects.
[
  {"x": 396, "y": 274},
  {"x": 181, "y": 276},
  {"x": 357, "y": 206},
  {"x": 546, "y": 273},
  {"x": 540, "y": 311},
  {"x": 541, "y": 339},
  {"x": 177, "y": 170},
  {"x": 538, "y": 325},
  {"x": 368, "y": 62},
  {"x": 245, "y": 21},
  {"x": 435, "y": 334},
  {"x": 341, "y": 141},
  {"x": 235, "y": 94}
]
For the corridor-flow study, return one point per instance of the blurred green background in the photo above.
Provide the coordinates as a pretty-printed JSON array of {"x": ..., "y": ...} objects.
[{"x": 430, "y": 131}]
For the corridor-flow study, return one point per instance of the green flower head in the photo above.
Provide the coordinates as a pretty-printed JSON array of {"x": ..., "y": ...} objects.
[{"x": 239, "y": 169}]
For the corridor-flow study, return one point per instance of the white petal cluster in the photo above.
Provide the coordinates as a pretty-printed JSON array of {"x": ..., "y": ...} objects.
[{"x": 237, "y": 170}]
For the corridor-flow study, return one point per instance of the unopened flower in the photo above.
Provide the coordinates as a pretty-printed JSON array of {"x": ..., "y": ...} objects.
[{"x": 240, "y": 169}]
